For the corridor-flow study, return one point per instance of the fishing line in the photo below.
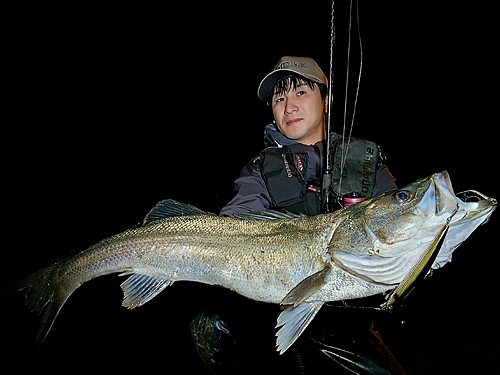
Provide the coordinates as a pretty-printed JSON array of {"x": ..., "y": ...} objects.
[{"x": 345, "y": 149}]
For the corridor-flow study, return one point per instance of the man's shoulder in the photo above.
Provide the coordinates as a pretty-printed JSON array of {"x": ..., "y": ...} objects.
[
  {"x": 253, "y": 165},
  {"x": 347, "y": 139}
]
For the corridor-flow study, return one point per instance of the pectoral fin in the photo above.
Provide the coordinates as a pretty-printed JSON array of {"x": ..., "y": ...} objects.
[
  {"x": 297, "y": 316},
  {"x": 293, "y": 321},
  {"x": 306, "y": 287}
]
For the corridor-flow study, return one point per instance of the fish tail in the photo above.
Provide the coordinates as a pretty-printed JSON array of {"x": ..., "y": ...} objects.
[{"x": 44, "y": 295}]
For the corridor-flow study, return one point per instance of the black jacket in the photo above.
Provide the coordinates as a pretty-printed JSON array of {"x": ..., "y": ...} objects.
[{"x": 252, "y": 193}]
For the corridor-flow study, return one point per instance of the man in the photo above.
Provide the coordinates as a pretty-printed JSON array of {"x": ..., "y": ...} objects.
[
  {"x": 287, "y": 176},
  {"x": 296, "y": 90}
]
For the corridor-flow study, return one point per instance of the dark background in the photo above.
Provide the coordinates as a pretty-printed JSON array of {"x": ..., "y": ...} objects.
[{"x": 110, "y": 109}]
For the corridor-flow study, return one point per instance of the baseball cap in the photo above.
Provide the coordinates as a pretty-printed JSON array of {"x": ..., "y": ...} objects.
[{"x": 303, "y": 66}]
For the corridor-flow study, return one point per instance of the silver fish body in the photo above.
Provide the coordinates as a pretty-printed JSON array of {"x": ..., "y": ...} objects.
[{"x": 300, "y": 262}]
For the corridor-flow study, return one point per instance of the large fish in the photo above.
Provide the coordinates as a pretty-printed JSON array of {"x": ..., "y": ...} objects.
[{"x": 299, "y": 262}]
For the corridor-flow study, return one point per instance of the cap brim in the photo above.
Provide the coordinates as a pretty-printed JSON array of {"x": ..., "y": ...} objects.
[{"x": 267, "y": 84}]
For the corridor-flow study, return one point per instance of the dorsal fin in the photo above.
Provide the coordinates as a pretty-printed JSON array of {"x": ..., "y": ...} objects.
[
  {"x": 169, "y": 208},
  {"x": 268, "y": 215}
]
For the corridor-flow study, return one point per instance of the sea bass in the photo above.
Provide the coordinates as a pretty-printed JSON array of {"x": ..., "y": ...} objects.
[{"x": 299, "y": 262}]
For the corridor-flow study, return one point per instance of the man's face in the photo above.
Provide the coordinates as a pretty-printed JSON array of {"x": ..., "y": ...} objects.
[{"x": 299, "y": 114}]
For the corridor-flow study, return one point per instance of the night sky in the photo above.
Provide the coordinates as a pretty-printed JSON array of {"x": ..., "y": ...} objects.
[{"x": 108, "y": 110}]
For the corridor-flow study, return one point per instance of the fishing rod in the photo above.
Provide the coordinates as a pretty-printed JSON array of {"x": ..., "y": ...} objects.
[
  {"x": 327, "y": 174},
  {"x": 331, "y": 199}
]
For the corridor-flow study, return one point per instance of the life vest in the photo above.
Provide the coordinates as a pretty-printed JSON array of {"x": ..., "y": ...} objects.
[{"x": 289, "y": 190}]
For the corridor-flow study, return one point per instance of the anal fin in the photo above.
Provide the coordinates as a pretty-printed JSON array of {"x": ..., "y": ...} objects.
[{"x": 139, "y": 289}]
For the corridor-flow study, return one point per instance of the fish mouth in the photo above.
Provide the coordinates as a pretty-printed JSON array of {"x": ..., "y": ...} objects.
[
  {"x": 474, "y": 210},
  {"x": 472, "y": 204},
  {"x": 445, "y": 188},
  {"x": 439, "y": 198}
]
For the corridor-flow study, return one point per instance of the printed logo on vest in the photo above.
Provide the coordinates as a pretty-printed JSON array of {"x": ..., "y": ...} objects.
[{"x": 287, "y": 167}]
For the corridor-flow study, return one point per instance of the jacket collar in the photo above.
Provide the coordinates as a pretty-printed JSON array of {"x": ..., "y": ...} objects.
[{"x": 272, "y": 137}]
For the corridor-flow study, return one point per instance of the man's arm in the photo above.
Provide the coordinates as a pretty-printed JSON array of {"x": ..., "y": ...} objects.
[
  {"x": 251, "y": 192},
  {"x": 384, "y": 181}
]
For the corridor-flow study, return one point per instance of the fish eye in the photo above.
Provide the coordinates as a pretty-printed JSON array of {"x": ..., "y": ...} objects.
[{"x": 402, "y": 196}]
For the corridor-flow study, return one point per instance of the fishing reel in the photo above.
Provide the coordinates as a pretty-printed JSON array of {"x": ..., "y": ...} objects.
[
  {"x": 352, "y": 197},
  {"x": 336, "y": 201}
]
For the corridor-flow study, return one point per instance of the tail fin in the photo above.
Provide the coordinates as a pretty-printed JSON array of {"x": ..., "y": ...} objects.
[{"x": 43, "y": 294}]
